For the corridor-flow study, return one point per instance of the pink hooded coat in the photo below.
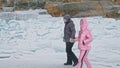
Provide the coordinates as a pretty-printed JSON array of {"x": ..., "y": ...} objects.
[{"x": 85, "y": 38}]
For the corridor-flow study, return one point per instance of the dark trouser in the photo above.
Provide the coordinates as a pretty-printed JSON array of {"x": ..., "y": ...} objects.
[{"x": 70, "y": 55}]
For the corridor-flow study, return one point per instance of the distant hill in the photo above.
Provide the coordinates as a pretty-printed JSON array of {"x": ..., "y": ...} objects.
[
  {"x": 84, "y": 8},
  {"x": 76, "y": 8}
]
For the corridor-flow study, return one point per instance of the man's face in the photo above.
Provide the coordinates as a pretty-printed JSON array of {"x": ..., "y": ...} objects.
[{"x": 64, "y": 20}]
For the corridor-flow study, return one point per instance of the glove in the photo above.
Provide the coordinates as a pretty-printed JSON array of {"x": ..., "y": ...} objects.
[
  {"x": 72, "y": 40},
  {"x": 83, "y": 43}
]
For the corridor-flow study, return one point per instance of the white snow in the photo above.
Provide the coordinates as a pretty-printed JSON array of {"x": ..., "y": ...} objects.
[{"x": 37, "y": 43}]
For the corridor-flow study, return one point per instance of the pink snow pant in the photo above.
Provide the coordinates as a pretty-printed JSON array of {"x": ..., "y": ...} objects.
[{"x": 84, "y": 58}]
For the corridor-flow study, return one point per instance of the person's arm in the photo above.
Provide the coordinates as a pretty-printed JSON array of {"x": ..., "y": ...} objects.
[
  {"x": 72, "y": 28},
  {"x": 89, "y": 38},
  {"x": 77, "y": 38}
]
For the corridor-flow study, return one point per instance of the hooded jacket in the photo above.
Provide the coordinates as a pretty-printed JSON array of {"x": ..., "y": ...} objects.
[
  {"x": 69, "y": 29},
  {"x": 84, "y": 38}
]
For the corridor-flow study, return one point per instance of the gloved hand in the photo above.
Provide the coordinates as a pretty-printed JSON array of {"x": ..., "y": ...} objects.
[
  {"x": 72, "y": 40},
  {"x": 83, "y": 43}
]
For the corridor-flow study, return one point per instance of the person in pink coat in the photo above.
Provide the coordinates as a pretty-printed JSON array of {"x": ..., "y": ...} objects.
[{"x": 84, "y": 44}]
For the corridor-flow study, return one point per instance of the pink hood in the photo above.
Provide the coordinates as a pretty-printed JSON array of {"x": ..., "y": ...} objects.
[
  {"x": 85, "y": 37},
  {"x": 85, "y": 24}
]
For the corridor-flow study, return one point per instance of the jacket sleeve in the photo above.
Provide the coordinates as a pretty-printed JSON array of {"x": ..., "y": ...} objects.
[
  {"x": 73, "y": 31},
  {"x": 77, "y": 38},
  {"x": 89, "y": 38}
]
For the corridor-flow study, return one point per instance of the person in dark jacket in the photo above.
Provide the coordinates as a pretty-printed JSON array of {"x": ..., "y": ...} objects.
[{"x": 69, "y": 36}]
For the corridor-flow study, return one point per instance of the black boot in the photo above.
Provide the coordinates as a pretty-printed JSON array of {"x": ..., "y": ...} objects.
[
  {"x": 75, "y": 64},
  {"x": 67, "y": 63}
]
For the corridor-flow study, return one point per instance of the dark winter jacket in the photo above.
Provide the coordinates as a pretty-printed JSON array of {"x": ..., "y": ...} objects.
[{"x": 69, "y": 29}]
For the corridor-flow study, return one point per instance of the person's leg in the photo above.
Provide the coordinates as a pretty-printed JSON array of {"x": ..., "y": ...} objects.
[
  {"x": 73, "y": 56},
  {"x": 86, "y": 60},
  {"x": 68, "y": 50},
  {"x": 81, "y": 58}
]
